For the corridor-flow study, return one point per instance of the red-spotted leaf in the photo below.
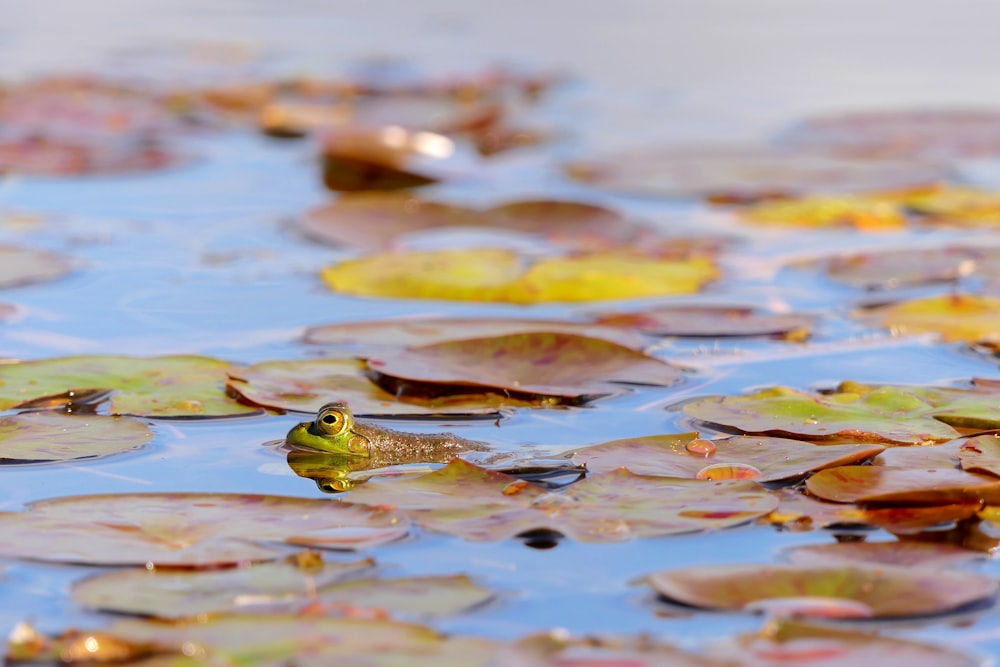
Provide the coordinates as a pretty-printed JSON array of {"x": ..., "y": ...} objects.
[
  {"x": 560, "y": 366},
  {"x": 888, "y": 485},
  {"x": 54, "y": 436},
  {"x": 711, "y": 321},
  {"x": 687, "y": 455},
  {"x": 188, "y": 529}
]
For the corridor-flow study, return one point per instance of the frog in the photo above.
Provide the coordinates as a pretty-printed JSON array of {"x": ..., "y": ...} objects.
[{"x": 336, "y": 431}]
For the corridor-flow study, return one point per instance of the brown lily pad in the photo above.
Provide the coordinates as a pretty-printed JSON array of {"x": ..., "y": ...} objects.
[
  {"x": 306, "y": 386},
  {"x": 477, "y": 504},
  {"x": 26, "y": 266},
  {"x": 745, "y": 174},
  {"x": 557, "y": 649},
  {"x": 908, "y": 553},
  {"x": 53, "y": 436},
  {"x": 911, "y": 266},
  {"x": 711, "y": 321},
  {"x": 188, "y": 529},
  {"x": 175, "y": 386},
  {"x": 888, "y": 592},
  {"x": 981, "y": 454},
  {"x": 386, "y": 158},
  {"x": 687, "y": 455},
  {"x": 954, "y": 317},
  {"x": 888, "y": 485},
  {"x": 560, "y": 366}
]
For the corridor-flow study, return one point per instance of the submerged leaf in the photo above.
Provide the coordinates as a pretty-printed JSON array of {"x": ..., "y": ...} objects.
[
  {"x": 55, "y": 436},
  {"x": 887, "y": 485},
  {"x": 188, "y": 529},
  {"x": 955, "y": 317},
  {"x": 714, "y": 321}
]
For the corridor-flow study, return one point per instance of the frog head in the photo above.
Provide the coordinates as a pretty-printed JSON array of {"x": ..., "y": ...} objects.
[{"x": 333, "y": 430}]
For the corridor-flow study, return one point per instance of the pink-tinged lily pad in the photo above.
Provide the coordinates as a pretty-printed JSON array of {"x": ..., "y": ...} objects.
[
  {"x": 907, "y": 553},
  {"x": 954, "y": 317},
  {"x": 388, "y": 158},
  {"x": 687, "y": 455},
  {"x": 858, "y": 412},
  {"x": 920, "y": 133},
  {"x": 913, "y": 266},
  {"x": 887, "y": 485},
  {"x": 54, "y": 436},
  {"x": 889, "y": 592},
  {"x": 188, "y": 529},
  {"x": 789, "y": 642},
  {"x": 711, "y": 321},
  {"x": 306, "y": 386},
  {"x": 745, "y": 174},
  {"x": 477, "y": 504},
  {"x": 560, "y": 366},
  {"x": 41, "y": 157},
  {"x": 410, "y": 332},
  {"x": 26, "y": 266},
  {"x": 177, "y": 386},
  {"x": 981, "y": 454}
]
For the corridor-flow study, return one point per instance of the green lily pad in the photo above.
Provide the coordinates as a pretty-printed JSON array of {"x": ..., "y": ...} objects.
[
  {"x": 887, "y": 485},
  {"x": 306, "y": 386},
  {"x": 188, "y": 529},
  {"x": 178, "y": 386},
  {"x": 908, "y": 553},
  {"x": 687, "y": 455},
  {"x": 558, "y": 366},
  {"x": 891, "y": 414},
  {"x": 482, "y": 505},
  {"x": 55, "y": 436},
  {"x": 27, "y": 266},
  {"x": 888, "y": 592},
  {"x": 711, "y": 321}
]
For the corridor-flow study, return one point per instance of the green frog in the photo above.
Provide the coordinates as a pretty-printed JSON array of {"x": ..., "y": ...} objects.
[{"x": 335, "y": 430}]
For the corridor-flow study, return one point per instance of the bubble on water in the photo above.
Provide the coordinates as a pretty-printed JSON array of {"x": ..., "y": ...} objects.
[{"x": 721, "y": 471}]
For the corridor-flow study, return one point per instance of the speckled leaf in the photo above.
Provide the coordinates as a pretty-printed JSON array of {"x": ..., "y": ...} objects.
[
  {"x": 188, "y": 529},
  {"x": 866, "y": 214},
  {"x": 27, "y": 266},
  {"x": 557, "y": 365},
  {"x": 481, "y": 505},
  {"x": 711, "y": 321},
  {"x": 907, "y": 553},
  {"x": 788, "y": 642},
  {"x": 888, "y": 485},
  {"x": 499, "y": 275},
  {"x": 409, "y": 332},
  {"x": 306, "y": 386},
  {"x": 892, "y": 414},
  {"x": 955, "y": 317},
  {"x": 889, "y": 592},
  {"x": 686, "y": 455},
  {"x": 981, "y": 454},
  {"x": 911, "y": 266},
  {"x": 746, "y": 173},
  {"x": 56, "y": 436}
]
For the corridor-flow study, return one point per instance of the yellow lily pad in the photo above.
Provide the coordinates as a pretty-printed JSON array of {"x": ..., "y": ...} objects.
[
  {"x": 955, "y": 317},
  {"x": 866, "y": 214}
]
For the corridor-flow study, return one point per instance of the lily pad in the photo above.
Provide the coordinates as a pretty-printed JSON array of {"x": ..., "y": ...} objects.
[
  {"x": 306, "y": 386},
  {"x": 410, "y": 332},
  {"x": 981, "y": 454},
  {"x": 711, "y": 321},
  {"x": 188, "y": 529},
  {"x": 910, "y": 266},
  {"x": 866, "y": 214},
  {"x": 387, "y": 158},
  {"x": 954, "y": 317},
  {"x": 920, "y": 133},
  {"x": 53, "y": 436},
  {"x": 907, "y": 553},
  {"x": 560, "y": 366},
  {"x": 889, "y": 592},
  {"x": 887, "y": 413},
  {"x": 499, "y": 275},
  {"x": 177, "y": 386},
  {"x": 887, "y": 485},
  {"x": 746, "y": 174},
  {"x": 557, "y": 649},
  {"x": 957, "y": 207},
  {"x": 686, "y": 455},
  {"x": 26, "y": 266},
  {"x": 477, "y": 504}
]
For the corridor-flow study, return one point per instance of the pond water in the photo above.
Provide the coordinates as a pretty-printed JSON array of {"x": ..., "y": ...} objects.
[{"x": 205, "y": 258}]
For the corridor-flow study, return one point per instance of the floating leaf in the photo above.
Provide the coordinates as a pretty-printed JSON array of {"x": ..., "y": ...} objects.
[
  {"x": 908, "y": 553},
  {"x": 711, "y": 321},
  {"x": 955, "y": 317},
  {"x": 684, "y": 455},
  {"x": 889, "y": 592},
  {"x": 747, "y": 173},
  {"x": 490, "y": 274},
  {"x": 25, "y": 266},
  {"x": 560, "y": 366},
  {"x": 921, "y": 133},
  {"x": 957, "y": 206},
  {"x": 419, "y": 596},
  {"x": 54, "y": 436},
  {"x": 943, "y": 455},
  {"x": 187, "y": 529},
  {"x": 388, "y": 158},
  {"x": 306, "y": 386},
  {"x": 893, "y": 414},
  {"x": 177, "y": 386},
  {"x": 981, "y": 454},
  {"x": 911, "y": 266},
  {"x": 866, "y": 214},
  {"x": 410, "y": 332},
  {"x": 482, "y": 505},
  {"x": 887, "y": 485},
  {"x": 789, "y": 642},
  {"x": 557, "y": 649}
]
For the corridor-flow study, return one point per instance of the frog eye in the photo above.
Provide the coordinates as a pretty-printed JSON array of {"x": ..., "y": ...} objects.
[{"x": 331, "y": 420}]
